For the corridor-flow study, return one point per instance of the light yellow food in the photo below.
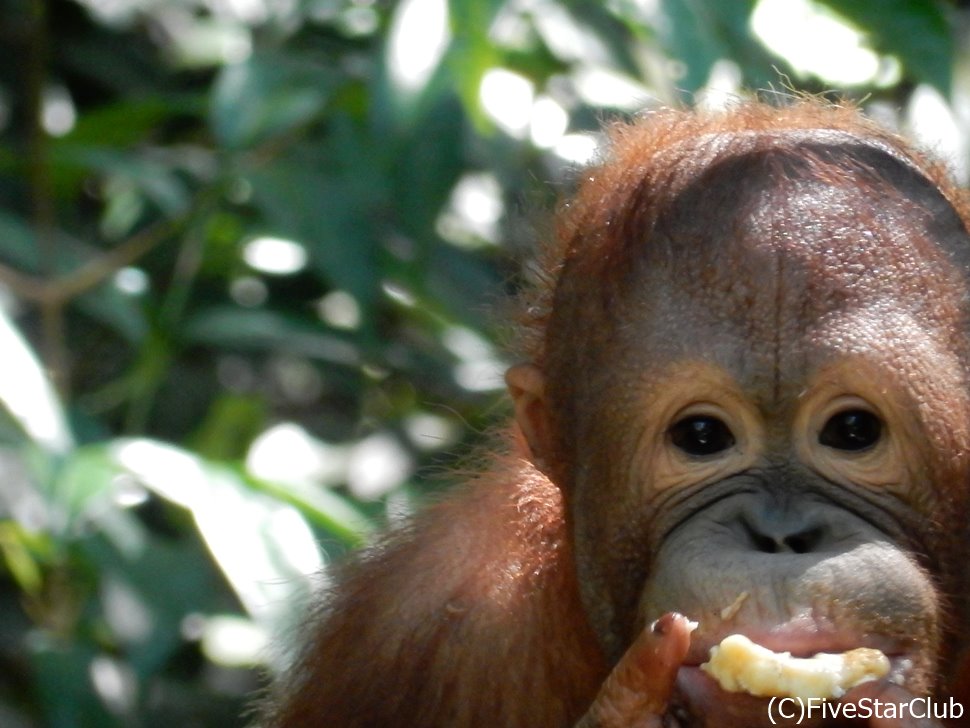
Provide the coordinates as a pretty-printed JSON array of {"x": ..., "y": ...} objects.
[
  {"x": 739, "y": 665},
  {"x": 731, "y": 610}
]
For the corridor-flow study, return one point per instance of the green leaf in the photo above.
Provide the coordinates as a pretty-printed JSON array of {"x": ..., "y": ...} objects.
[
  {"x": 699, "y": 33},
  {"x": 83, "y": 484},
  {"x": 263, "y": 97},
  {"x": 262, "y": 330},
  {"x": 230, "y": 425},
  {"x": 335, "y": 203},
  {"x": 156, "y": 180},
  {"x": 696, "y": 34},
  {"x": 458, "y": 282},
  {"x": 915, "y": 31},
  {"x": 19, "y": 558},
  {"x": 430, "y": 163},
  {"x": 17, "y": 244},
  {"x": 146, "y": 592},
  {"x": 62, "y": 675},
  {"x": 121, "y": 123}
]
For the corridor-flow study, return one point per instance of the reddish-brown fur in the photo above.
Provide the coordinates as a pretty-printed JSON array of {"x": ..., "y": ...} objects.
[{"x": 470, "y": 616}]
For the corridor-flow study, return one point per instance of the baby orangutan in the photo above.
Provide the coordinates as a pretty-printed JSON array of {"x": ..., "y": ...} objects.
[{"x": 744, "y": 370}]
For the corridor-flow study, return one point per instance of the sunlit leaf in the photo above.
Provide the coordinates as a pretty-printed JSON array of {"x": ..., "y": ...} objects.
[
  {"x": 28, "y": 395},
  {"x": 471, "y": 54},
  {"x": 915, "y": 31},
  {"x": 264, "y": 547},
  {"x": 323, "y": 507},
  {"x": 18, "y": 558},
  {"x": 234, "y": 641},
  {"x": 83, "y": 484}
]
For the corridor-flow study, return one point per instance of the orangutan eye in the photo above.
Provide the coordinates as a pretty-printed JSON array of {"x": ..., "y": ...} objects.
[
  {"x": 701, "y": 435},
  {"x": 851, "y": 430}
]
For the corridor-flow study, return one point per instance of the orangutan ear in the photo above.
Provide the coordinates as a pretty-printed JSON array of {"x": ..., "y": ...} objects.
[{"x": 527, "y": 385}]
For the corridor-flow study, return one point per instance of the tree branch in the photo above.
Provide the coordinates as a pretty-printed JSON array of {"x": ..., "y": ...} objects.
[{"x": 61, "y": 289}]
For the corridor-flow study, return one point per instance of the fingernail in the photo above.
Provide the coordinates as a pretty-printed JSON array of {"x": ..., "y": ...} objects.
[{"x": 662, "y": 625}]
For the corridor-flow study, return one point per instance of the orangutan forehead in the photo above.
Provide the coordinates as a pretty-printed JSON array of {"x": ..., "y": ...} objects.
[
  {"x": 806, "y": 229},
  {"x": 734, "y": 200},
  {"x": 771, "y": 247}
]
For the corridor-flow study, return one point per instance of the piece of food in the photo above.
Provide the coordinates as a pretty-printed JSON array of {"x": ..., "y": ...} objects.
[
  {"x": 731, "y": 610},
  {"x": 739, "y": 665}
]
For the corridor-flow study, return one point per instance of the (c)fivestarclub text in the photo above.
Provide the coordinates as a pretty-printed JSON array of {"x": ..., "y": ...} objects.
[{"x": 795, "y": 711}]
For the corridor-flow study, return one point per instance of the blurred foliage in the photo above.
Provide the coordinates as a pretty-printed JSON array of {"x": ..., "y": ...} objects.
[{"x": 248, "y": 250}]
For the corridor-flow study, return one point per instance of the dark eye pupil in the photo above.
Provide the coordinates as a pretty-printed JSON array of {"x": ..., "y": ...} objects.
[
  {"x": 701, "y": 435},
  {"x": 851, "y": 430}
]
